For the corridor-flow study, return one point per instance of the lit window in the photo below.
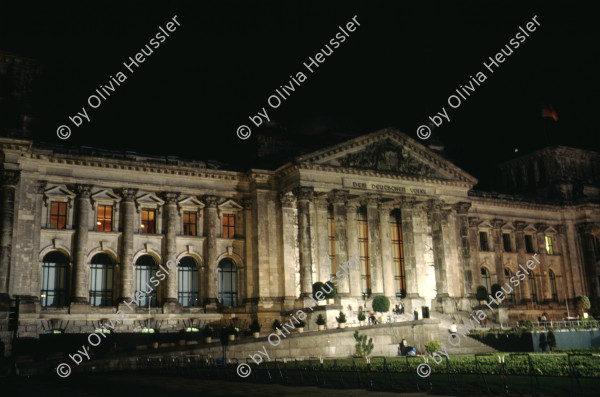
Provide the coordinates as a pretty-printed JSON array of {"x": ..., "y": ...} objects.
[
  {"x": 145, "y": 268},
  {"x": 228, "y": 225},
  {"x": 101, "y": 280},
  {"x": 58, "y": 215},
  {"x": 104, "y": 222},
  {"x": 483, "y": 241},
  {"x": 549, "y": 249},
  {"x": 55, "y": 268},
  {"x": 148, "y": 221},
  {"x": 187, "y": 275},
  {"x": 189, "y": 223},
  {"x": 227, "y": 283}
]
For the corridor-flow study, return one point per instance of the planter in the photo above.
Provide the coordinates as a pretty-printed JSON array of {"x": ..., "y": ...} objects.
[
  {"x": 255, "y": 335},
  {"x": 181, "y": 342},
  {"x": 207, "y": 339},
  {"x": 341, "y": 325},
  {"x": 321, "y": 303},
  {"x": 330, "y": 301},
  {"x": 231, "y": 337},
  {"x": 321, "y": 327},
  {"x": 155, "y": 345},
  {"x": 278, "y": 332},
  {"x": 380, "y": 319},
  {"x": 361, "y": 323},
  {"x": 300, "y": 329}
]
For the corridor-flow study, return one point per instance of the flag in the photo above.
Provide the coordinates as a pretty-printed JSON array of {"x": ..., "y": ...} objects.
[{"x": 548, "y": 111}]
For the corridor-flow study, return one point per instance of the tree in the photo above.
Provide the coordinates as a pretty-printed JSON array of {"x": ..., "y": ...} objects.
[
  {"x": 433, "y": 346},
  {"x": 495, "y": 288},
  {"x": 582, "y": 303},
  {"x": 318, "y": 286},
  {"x": 363, "y": 348},
  {"x": 255, "y": 326},
  {"x": 341, "y": 318},
  {"x": 320, "y": 320},
  {"x": 551, "y": 340},
  {"x": 543, "y": 341},
  {"x": 381, "y": 304},
  {"x": 333, "y": 293},
  {"x": 482, "y": 293}
]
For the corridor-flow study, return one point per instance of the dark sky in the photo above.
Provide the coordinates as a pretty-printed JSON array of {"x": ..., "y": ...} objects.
[{"x": 227, "y": 57}]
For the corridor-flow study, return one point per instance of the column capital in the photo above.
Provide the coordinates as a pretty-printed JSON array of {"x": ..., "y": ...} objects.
[
  {"x": 462, "y": 207},
  {"x": 497, "y": 223},
  {"x": 287, "y": 200},
  {"x": 586, "y": 227},
  {"x": 170, "y": 197},
  {"x": 339, "y": 196},
  {"x": 407, "y": 202},
  {"x": 352, "y": 206},
  {"x": 83, "y": 190},
  {"x": 386, "y": 206},
  {"x": 562, "y": 229},
  {"x": 541, "y": 227},
  {"x": 474, "y": 221},
  {"x": 247, "y": 203},
  {"x": 9, "y": 177},
  {"x": 128, "y": 194},
  {"x": 40, "y": 187},
  {"x": 370, "y": 199},
  {"x": 520, "y": 225},
  {"x": 211, "y": 201},
  {"x": 321, "y": 201},
  {"x": 304, "y": 193}
]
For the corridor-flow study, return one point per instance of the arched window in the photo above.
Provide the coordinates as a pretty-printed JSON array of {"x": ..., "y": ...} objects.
[
  {"x": 398, "y": 253},
  {"x": 553, "y": 286},
  {"x": 101, "y": 280},
  {"x": 486, "y": 279},
  {"x": 532, "y": 288},
  {"x": 55, "y": 276},
  {"x": 507, "y": 275},
  {"x": 145, "y": 267},
  {"x": 187, "y": 282},
  {"x": 227, "y": 283}
]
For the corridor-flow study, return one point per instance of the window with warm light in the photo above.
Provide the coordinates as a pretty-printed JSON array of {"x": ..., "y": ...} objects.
[
  {"x": 148, "y": 221},
  {"x": 189, "y": 223},
  {"x": 549, "y": 248},
  {"x": 104, "y": 221},
  {"x": 58, "y": 215},
  {"x": 228, "y": 225}
]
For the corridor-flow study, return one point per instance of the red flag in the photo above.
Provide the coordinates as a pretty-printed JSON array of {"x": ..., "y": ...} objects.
[{"x": 548, "y": 111}]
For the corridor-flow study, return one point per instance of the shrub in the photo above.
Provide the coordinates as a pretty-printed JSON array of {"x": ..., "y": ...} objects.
[
  {"x": 207, "y": 331},
  {"x": 255, "y": 326},
  {"x": 543, "y": 341},
  {"x": 528, "y": 324},
  {"x": 341, "y": 318},
  {"x": 551, "y": 340},
  {"x": 318, "y": 286},
  {"x": 582, "y": 303},
  {"x": 381, "y": 304},
  {"x": 482, "y": 293},
  {"x": 232, "y": 330},
  {"x": 320, "y": 320},
  {"x": 361, "y": 316},
  {"x": 363, "y": 348},
  {"x": 333, "y": 289},
  {"x": 433, "y": 346},
  {"x": 301, "y": 323},
  {"x": 276, "y": 324},
  {"x": 495, "y": 288}
]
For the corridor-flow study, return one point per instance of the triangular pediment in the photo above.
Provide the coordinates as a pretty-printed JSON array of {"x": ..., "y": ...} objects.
[
  {"x": 190, "y": 201},
  {"x": 149, "y": 199},
  {"x": 105, "y": 195},
  {"x": 230, "y": 205},
  {"x": 59, "y": 191},
  {"x": 387, "y": 151}
]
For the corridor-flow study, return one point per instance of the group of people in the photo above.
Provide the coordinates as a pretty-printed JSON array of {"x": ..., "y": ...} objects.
[{"x": 399, "y": 309}]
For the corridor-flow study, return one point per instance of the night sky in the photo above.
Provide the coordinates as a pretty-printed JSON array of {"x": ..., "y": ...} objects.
[{"x": 396, "y": 69}]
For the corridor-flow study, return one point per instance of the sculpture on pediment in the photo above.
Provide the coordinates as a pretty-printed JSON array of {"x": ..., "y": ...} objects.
[{"x": 387, "y": 156}]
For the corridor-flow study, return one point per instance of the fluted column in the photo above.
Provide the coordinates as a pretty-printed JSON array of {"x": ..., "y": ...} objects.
[
  {"x": 304, "y": 195},
  {"x": 339, "y": 199},
  {"x": 81, "y": 290},
  {"x": 128, "y": 214},
  {"x": 354, "y": 282},
  {"x": 372, "y": 202},
  {"x": 212, "y": 225},
  {"x": 8, "y": 183},
  {"x": 389, "y": 288},
  {"x": 408, "y": 240},
  {"x": 170, "y": 294}
]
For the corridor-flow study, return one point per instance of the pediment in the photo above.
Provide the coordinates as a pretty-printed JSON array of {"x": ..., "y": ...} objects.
[
  {"x": 230, "y": 205},
  {"x": 105, "y": 195},
  {"x": 149, "y": 200},
  {"x": 530, "y": 229},
  {"x": 388, "y": 151},
  {"x": 508, "y": 227},
  {"x": 485, "y": 225},
  {"x": 191, "y": 201},
  {"x": 59, "y": 191}
]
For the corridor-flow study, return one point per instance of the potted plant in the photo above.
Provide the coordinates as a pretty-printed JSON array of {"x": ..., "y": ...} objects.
[
  {"x": 381, "y": 304},
  {"x": 321, "y": 322},
  {"x": 301, "y": 325},
  {"x": 277, "y": 326},
  {"x": 207, "y": 332},
  {"x": 318, "y": 289},
  {"x": 481, "y": 294},
  {"x": 341, "y": 320},
  {"x": 255, "y": 328},
  {"x": 332, "y": 292},
  {"x": 361, "y": 318},
  {"x": 582, "y": 303},
  {"x": 231, "y": 332}
]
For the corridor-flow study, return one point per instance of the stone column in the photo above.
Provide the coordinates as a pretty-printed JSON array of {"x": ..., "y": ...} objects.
[
  {"x": 288, "y": 204},
  {"x": 437, "y": 218},
  {"x": 499, "y": 252},
  {"x": 81, "y": 290},
  {"x": 127, "y": 266},
  {"x": 371, "y": 202},
  {"x": 8, "y": 183},
  {"x": 565, "y": 286},
  {"x": 339, "y": 199},
  {"x": 251, "y": 271},
  {"x": 321, "y": 224},
  {"x": 304, "y": 195},
  {"x": 37, "y": 227},
  {"x": 170, "y": 293},
  {"x": 521, "y": 255},
  {"x": 212, "y": 225},
  {"x": 408, "y": 240},
  {"x": 586, "y": 236},
  {"x": 462, "y": 210},
  {"x": 354, "y": 282},
  {"x": 388, "y": 270}
]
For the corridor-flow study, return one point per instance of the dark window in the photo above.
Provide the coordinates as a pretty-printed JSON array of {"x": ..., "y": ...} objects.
[
  {"x": 331, "y": 237},
  {"x": 486, "y": 279},
  {"x": 553, "y": 286},
  {"x": 398, "y": 253},
  {"x": 58, "y": 215},
  {"x": 101, "y": 280},
  {"x": 55, "y": 272},
  {"x": 507, "y": 276},
  {"x": 189, "y": 223},
  {"x": 506, "y": 242},
  {"x": 148, "y": 221},
  {"x": 228, "y": 225},
  {"x": 145, "y": 268},
  {"x": 529, "y": 243},
  {"x": 187, "y": 275},
  {"x": 104, "y": 222},
  {"x": 227, "y": 283},
  {"x": 532, "y": 288},
  {"x": 483, "y": 241},
  {"x": 363, "y": 246}
]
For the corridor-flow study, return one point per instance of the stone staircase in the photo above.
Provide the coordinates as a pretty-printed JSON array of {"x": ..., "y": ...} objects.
[{"x": 467, "y": 345}]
